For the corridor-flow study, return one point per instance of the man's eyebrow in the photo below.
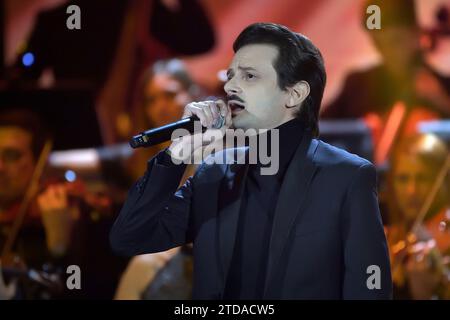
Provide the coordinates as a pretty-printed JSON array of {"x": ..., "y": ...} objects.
[
  {"x": 247, "y": 68},
  {"x": 229, "y": 71}
]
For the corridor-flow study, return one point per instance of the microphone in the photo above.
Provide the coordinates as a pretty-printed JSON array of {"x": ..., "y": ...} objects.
[{"x": 161, "y": 134}]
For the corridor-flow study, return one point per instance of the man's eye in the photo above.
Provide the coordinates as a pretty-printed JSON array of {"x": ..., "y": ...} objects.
[
  {"x": 11, "y": 155},
  {"x": 402, "y": 178},
  {"x": 249, "y": 76}
]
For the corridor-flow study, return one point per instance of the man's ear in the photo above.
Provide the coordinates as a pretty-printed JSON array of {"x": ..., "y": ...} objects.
[{"x": 297, "y": 94}]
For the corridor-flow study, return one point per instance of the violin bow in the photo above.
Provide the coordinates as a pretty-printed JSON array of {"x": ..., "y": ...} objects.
[
  {"x": 431, "y": 195},
  {"x": 30, "y": 192}
]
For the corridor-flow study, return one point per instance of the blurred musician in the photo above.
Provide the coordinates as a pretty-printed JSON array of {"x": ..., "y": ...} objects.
[
  {"x": 45, "y": 233},
  {"x": 418, "y": 234},
  {"x": 63, "y": 222},
  {"x": 166, "y": 88},
  {"x": 394, "y": 96}
]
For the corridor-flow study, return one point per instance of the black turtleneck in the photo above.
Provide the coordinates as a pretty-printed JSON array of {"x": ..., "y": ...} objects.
[{"x": 246, "y": 277}]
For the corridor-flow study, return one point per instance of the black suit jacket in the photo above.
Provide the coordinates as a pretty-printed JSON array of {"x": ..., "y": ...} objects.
[{"x": 327, "y": 228}]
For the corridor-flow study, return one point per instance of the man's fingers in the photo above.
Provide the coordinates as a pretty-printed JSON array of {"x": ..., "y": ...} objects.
[
  {"x": 54, "y": 197},
  {"x": 223, "y": 108},
  {"x": 209, "y": 112},
  {"x": 214, "y": 109},
  {"x": 209, "y": 115},
  {"x": 197, "y": 110},
  {"x": 60, "y": 192},
  {"x": 212, "y": 114},
  {"x": 219, "y": 110},
  {"x": 225, "y": 111}
]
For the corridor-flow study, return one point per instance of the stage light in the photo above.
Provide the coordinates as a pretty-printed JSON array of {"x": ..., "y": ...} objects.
[
  {"x": 70, "y": 176},
  {"x": 28, "y": 59}
]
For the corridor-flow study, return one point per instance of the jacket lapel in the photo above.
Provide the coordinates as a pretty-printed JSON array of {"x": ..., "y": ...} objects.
[{"x": 291, "y": 200}]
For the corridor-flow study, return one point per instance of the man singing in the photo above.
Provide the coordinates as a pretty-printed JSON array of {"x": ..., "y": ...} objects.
[{"x": 312, "y": 230}]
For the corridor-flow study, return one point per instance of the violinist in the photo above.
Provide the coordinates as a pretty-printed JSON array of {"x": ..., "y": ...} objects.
[
  {"x": 64, "y": 223},
  {"x": 419, "y": 207},
  {"x": 46, "y": 229}
]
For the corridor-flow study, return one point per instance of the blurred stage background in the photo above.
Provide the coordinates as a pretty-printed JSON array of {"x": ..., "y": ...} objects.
[{"x": 92, "y": 89}]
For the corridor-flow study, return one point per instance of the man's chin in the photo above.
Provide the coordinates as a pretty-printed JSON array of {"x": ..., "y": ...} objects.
[
  {"x": 244, "y": 121},
  {"x": 238, "y": 122},
  {"x": 242, "y": 126}
]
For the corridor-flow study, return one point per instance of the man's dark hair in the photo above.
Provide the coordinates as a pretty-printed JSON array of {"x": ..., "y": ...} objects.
[
  {"x": 298, "y": 59},
  {"x": 28, "y": 121}
]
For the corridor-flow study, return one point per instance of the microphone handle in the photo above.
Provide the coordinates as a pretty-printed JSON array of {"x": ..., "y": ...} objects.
[{"x": 161, "y": 134}]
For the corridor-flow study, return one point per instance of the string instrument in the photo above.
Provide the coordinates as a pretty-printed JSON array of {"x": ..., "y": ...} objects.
[
  {"x": 12, "y": 264},
  {"x": 430, "y": 242},
  {"x": 425, "y": 239},
  {"x": 78, "y": 194}
]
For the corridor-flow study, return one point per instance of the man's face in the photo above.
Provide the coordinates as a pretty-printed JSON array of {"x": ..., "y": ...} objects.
[
  {"x": 164, "y": 99},
  {"x": 254, "y": 96},
  {"x": 413, "y": 179},
  {"x": 16, "y": 163}
]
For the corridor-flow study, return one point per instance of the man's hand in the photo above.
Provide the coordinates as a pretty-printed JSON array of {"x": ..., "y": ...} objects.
[
  {"x": 54, "y": 198},
  {"x": 423, "y": 278},
  {"x": 209, "y": 112}
]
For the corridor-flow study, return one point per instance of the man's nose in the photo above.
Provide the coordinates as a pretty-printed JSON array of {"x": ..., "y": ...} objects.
[
  {"x": 231, "y": 87},
  {"x": 411, "y": 187}
]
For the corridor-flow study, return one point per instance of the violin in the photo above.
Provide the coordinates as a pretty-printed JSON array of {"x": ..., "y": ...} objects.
[
  {"x": 430, "y": 242},
  {"x": 78, "y": 194}
]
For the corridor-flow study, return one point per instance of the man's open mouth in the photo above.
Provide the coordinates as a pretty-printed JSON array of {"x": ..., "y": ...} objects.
[{"x": 235, "y": 106}]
